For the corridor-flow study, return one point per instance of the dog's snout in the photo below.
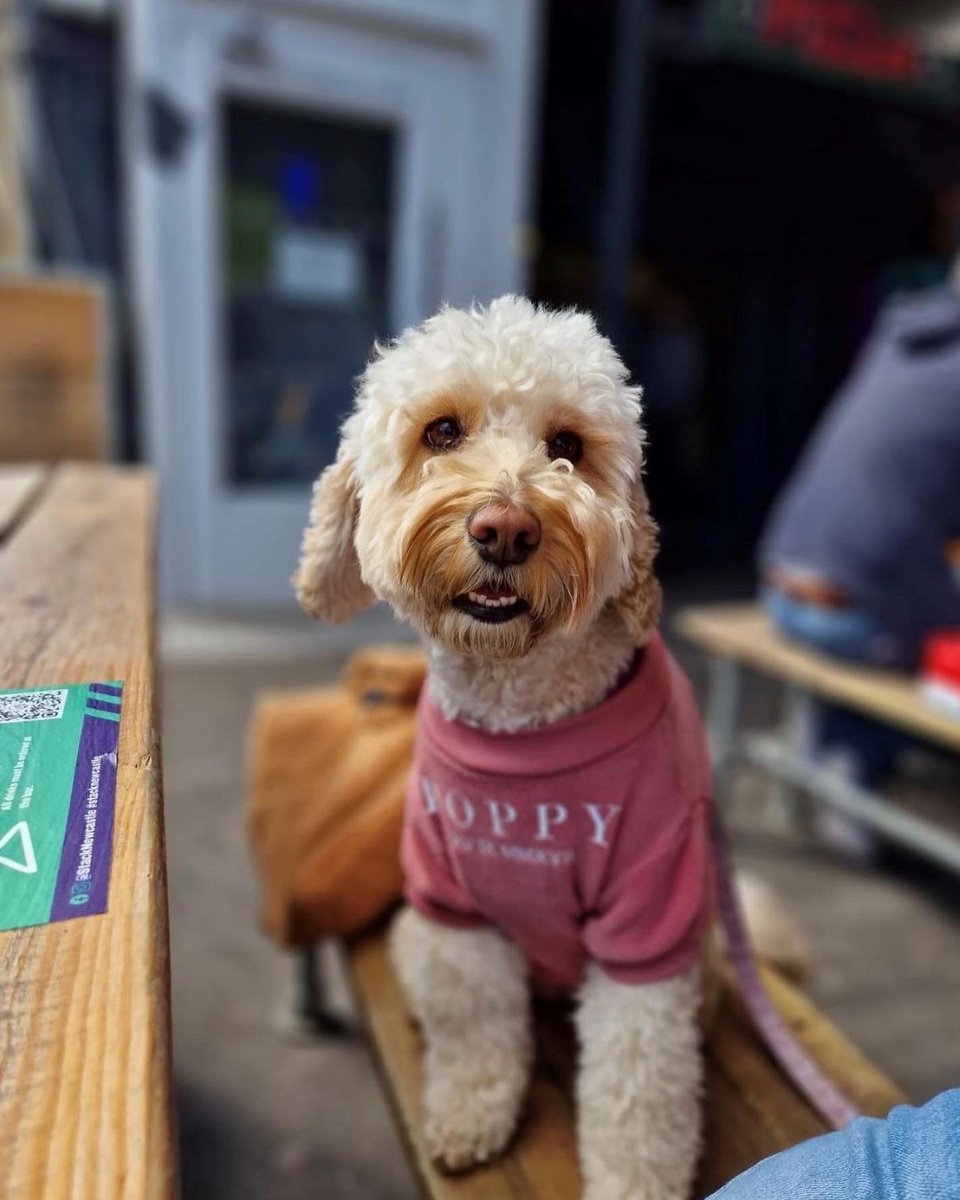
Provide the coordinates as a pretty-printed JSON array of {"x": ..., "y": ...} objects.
[{"x": 505, "y": 534}]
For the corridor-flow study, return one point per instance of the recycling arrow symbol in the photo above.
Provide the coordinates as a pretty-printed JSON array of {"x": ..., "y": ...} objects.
[{"x": 27, "y": 863}]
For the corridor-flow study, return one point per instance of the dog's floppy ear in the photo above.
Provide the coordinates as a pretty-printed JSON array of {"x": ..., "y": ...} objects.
[
  {"x": 328, "y": 579},
  {"x": 639, "y": 602}
]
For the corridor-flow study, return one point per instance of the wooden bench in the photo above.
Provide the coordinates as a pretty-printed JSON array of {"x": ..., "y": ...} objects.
[
  {"x": 751, "y": 1109},
  {"x": 85, "y": 1079},
  {"x": 739, "y": 637}
]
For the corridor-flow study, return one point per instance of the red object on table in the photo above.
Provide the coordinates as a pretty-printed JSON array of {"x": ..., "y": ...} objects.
[
  {"x": 941, "y": 657},
  {"x": 940, "y": 671}
]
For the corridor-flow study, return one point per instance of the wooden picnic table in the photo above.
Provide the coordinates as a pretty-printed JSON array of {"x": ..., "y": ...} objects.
[
  {"x": 742, "y": 633},
  {"x": 739, "y": 637},
  {"x": 85, "y": 1080}
]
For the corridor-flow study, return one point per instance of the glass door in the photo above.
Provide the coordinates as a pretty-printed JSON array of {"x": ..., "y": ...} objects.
[
  {"x": 317, "y": 217},
  {"x": 307, "y": 225}
]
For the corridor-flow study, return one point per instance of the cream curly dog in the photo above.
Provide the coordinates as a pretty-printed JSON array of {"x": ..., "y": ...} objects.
[{"x": 488, "y": 487}]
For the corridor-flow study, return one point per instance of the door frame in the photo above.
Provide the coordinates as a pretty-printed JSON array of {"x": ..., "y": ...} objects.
[{"x": 372, "y": 66}]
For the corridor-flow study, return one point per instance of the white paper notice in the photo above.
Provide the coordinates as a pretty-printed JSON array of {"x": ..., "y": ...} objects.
[{"x": 324, "y": 266}]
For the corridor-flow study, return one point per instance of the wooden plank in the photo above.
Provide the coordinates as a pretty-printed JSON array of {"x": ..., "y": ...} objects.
[
  {"x": 743, "y": 632},
  {"x": 18, "y": 487},
  {"x": 866, "y": 1085},
  {"x": 85, "y": 1082},
  {"x": 751, "y": 1110},
  {"x": 542, "y": 1161}
]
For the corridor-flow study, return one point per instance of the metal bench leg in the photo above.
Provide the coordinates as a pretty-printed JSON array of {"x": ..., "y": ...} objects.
[
  {"x": 723, "y": 706},
  {"x": 723, "y": 717},
  {"x": 791, "y": 803},
  {"x": 767, "y": 753},
  {"x": 310, "y": 1008}
]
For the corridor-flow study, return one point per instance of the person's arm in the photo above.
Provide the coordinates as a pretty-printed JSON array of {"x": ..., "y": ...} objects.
[{"x": 914, "y": 1154}]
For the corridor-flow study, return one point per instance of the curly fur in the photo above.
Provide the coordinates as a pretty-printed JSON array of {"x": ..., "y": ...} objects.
[
  {"x": 558, "y": 678},
  {"x": 328, "y": 582},
  {"x": 389, "y": 519},
  {"x": 639, "y": 1087},
  {"x": 468, "y": 990}
]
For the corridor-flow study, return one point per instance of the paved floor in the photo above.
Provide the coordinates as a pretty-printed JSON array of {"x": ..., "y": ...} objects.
[{"x": 264, "y": 1116}]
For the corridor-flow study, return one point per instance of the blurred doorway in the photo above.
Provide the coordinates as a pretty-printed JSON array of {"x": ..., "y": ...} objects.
[
  {"x": 307, "y": 247},
  {"x": 303, "y": 185}
]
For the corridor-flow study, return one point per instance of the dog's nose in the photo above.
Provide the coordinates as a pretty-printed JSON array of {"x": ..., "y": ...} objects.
[{"x": 504, "y": 533}]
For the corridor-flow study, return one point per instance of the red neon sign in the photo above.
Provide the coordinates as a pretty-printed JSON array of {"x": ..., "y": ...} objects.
[{"x": 840, "y": 35}]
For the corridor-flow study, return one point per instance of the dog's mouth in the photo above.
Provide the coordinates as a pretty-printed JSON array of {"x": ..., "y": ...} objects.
[{"x": 493, "y": 606}]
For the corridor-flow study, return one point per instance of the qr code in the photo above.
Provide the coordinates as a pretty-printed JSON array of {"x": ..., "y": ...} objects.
[{"x": 32, "y": 706}]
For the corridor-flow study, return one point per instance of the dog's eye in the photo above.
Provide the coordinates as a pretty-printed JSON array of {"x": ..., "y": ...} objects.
[
  {"x": 446, "y": 433},
  {"x": 565, "y": 444}
]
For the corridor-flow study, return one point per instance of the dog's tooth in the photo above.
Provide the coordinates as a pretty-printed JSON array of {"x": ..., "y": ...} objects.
[{"x": 492, "y": 601}]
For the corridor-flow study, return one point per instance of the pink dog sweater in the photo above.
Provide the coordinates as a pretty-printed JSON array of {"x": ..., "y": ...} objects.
[{"x": 586, "y": 838}]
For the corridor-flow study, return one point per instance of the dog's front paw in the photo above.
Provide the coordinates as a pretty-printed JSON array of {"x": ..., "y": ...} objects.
[{"x": 470, "y": 1114}]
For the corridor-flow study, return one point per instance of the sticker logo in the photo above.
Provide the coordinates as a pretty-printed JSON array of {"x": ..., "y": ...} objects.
[
  {"x": 27, "y": 865},
  {"x": 58, "y": 786}
]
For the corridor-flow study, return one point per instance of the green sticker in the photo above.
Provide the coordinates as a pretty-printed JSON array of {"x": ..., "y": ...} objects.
[{"x": 58, "y": 771}]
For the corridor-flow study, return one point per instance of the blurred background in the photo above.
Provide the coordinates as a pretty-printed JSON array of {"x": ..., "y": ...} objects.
[{"x": 209, "y": 209}]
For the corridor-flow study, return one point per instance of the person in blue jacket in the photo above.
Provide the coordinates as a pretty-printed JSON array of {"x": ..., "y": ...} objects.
[
  {"x": 855, "y": 558},
  {"x": 855, "y": 554}
]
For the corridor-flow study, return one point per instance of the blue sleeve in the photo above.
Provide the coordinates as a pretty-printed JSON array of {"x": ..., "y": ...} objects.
[{"x": 914, "y": 1154}]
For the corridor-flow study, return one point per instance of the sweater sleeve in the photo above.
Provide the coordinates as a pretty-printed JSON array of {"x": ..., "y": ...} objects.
[{"x": 651, "y": 916}]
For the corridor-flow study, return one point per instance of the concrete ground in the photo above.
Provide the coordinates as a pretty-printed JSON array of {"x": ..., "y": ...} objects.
[{"x": 265, "y": 1115}]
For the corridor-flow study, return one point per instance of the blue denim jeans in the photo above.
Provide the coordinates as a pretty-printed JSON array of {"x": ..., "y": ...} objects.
[
  {"x": 851, "y": 633},
  {"x": 855, "y": 635},
  {"x": 914, "y": 1154}
]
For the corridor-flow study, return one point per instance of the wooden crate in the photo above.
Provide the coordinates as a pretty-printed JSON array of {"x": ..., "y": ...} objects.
[{"x": 53, "y": 370}]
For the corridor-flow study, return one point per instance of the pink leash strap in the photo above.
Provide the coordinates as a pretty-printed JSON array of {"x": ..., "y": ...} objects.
[{"x": 819, "y": 1089}]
